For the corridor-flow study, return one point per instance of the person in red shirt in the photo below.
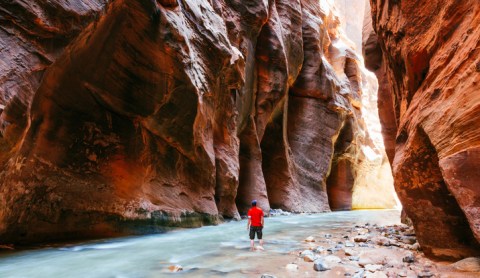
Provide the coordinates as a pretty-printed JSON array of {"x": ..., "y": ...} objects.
[{"x": 255, "y": 223}]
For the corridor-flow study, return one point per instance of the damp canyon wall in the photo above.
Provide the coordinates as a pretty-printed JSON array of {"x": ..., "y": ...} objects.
[
  {"x": 120, "y": 117},
  {"x": 426, "y": 56}
]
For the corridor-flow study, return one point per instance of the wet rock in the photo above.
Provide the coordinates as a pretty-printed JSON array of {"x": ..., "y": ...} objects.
[
  {"x": 319, "y": 249},
  {"x": 175, "y": 268},
  {"x": 320, "y": 265},
  {"x": 7, "y": 247},
  {"x": 469, "y": 264}
]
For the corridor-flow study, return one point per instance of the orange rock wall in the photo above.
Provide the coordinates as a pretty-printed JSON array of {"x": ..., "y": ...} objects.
[
  {"x": 430, "y": 73},
  {"x": 131, "y": 116}
]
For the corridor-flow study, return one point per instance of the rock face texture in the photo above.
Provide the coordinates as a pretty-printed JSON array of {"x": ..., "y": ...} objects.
[
  {"x": 429, "y": 105},
  {"x": 134, "y": 115}
]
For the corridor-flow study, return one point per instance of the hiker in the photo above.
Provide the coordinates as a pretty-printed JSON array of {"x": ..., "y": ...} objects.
[{"x": 255, "y": 223}]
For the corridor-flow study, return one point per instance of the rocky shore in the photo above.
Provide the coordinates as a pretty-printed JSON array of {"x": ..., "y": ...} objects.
[{"x": 371, "y": 251}]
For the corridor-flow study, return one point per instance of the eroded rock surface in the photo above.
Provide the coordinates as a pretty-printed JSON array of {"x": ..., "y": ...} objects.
[
  {"x": 166, "y": 113},
  {"x": 429, "y": 112}
]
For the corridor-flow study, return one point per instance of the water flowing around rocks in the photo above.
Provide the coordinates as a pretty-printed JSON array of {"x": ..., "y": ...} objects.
[{"x": 213, "y": 251}]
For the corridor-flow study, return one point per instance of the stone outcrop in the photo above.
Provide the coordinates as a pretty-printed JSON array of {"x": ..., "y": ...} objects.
[
  {"x": 429, "y": 71},
  {"x": 130, "y": 116}
]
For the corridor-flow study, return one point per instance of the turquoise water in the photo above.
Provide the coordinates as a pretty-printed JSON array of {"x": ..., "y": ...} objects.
[{"x": 214, "y": 251}]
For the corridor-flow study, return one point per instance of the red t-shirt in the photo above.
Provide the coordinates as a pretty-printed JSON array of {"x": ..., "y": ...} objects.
[{"x": 255, "y": 214}]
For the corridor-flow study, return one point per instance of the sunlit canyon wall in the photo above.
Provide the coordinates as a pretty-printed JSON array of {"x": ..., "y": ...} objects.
[
  {"x": 128, "y": 116},
  {"x": 427, "y": 59}
]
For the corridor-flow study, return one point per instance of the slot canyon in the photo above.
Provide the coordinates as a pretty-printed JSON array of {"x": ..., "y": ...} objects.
[{"x": 126, "y": 117}]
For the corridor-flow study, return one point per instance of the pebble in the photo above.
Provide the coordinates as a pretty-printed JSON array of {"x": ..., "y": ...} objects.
[
  {"x": 471, "y": 264},
  {"x": 310, "y": 239},
  {"x": 332, "y": 259},
  {"x": 373, "y": 267},
  {"x": 175, "y": 268},
  {"x": 349, "y": 252},
  {"x": 408, "y": 239},
  {"x": 319, "y": 249},
  {"x": 409, "y": 258},
  {"x": 306, "y": 253},
  {"x": 320, "y": 265},
  {"x": 309, "y": 258},
  {"x": 268, "y": 276},
  {"x": 349, "y": 244},
  {"x": 360, "y": 239},
  {"x": 291, "y": 267}
]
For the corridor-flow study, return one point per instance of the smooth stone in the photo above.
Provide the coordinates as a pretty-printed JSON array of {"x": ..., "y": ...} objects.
[
  {"x": 306, "y": 253},
  {"x": 319, "y": 249},
  {"x": 175, "y": 268},
  {"x": 408, "y": 239},
  {"x": 360, "y": 239},
  {"x": 268, "y": 276},
  {"x": 320, "y": 265},
  {"x": 409, "y": 258},
  {"x": 349, "y": 244},
  {"x": 332, "y": 259},
  {"x": 292, "y": 267},
  {"x": 309, "y": 258},
  {"x": 310, "y": 239}
]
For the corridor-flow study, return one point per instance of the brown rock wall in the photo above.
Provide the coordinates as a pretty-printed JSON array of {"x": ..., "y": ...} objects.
[
  {"x": 431, "y": 51},
  {"x": 167, "y": 113}
]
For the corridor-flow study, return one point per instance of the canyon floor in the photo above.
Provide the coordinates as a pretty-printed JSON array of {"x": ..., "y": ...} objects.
[{"x": 349, "y": 244}]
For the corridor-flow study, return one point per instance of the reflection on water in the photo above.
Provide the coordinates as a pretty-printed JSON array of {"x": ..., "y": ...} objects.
[{"x": 213, "y": 251}]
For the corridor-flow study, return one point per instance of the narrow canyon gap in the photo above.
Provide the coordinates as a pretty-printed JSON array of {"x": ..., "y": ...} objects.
[{"x": 130, "y": 116}]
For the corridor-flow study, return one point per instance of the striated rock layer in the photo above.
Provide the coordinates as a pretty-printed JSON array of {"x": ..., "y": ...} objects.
[
  {"x": 430, "y": 107},
  {"x": 135, "y": 115}
]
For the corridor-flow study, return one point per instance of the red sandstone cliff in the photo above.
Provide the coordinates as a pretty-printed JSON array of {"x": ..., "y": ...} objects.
[
  {"x": 429, "y": 105},
  {"x": 142, "y": 114}
]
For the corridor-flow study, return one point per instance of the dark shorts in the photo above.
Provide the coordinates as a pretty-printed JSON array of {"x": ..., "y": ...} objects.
[{"x": 255, "y": 229}]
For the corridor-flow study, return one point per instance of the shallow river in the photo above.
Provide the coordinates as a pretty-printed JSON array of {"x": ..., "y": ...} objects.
[{"x": 214, "y": 251}]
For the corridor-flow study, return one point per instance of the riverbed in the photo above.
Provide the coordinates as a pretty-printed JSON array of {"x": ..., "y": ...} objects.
[{"x": 213, "y": 251}]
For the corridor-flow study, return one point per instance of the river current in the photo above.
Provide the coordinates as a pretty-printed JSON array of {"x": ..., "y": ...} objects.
[{"x": 213, "y": 251}]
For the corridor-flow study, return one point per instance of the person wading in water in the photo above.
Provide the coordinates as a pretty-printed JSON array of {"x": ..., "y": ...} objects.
[{"x": 255, "y": 223}]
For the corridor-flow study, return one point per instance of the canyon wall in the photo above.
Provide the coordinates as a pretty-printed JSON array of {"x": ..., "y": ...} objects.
[
  {"x": 124, "y": 116},
  {"x": 427, "y": 60}
]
